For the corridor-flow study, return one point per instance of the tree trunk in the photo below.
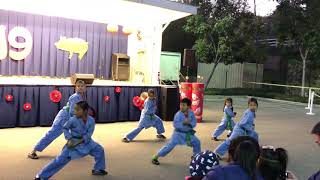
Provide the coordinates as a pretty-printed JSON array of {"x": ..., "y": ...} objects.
[
  {"x": 211, "y": 74},
  {"x": 304, "y": 58},
  {"x": 303, "y": 75}
]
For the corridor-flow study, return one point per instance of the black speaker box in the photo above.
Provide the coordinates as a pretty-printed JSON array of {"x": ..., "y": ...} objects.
[
  {"x": 170, "y": 102},
  {"x": 189, "y": 59}
]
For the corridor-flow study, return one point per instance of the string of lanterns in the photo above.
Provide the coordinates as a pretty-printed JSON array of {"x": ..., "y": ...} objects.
[{"x": 113, "y": 28}]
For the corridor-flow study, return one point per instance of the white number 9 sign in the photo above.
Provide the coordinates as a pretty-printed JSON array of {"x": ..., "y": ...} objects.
[{"x": 12, "y": 38}]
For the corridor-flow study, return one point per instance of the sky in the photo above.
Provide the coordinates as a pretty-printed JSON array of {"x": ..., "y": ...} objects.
[{"x": 264, "y": 7}]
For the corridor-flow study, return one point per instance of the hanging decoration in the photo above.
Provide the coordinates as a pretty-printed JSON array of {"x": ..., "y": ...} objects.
[
  {"x": 117, "y": 90},
  {"x": 55, "y": 96},
  {"x": 9, "y": 98},
  {"x": 106, "y": 99},
  {"x": 73, "y": 45},
  {"x": 113, "y": 28},
  {"x": 127, "y": 31},
  {"x": 27, "y": 106},
  {"x": 138, "y": 102}
]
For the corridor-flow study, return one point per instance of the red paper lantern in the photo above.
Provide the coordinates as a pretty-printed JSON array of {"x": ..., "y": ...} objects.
[
  {"x": 118, "y": 90},
  {"x": 55, "y": 96},
  {"x": 136, "y": 101},
  {"x": 27, "y": 106},
  {"x": 142, "y": 105},
  {"x": 106, "y": 99},
  {"x": 9, "y": 98}
]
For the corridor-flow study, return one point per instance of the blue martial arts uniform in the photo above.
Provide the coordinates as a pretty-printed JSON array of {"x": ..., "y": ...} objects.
[
  {"x": 227, "y": 123},
  {"x": 183, "y": 134},
  {"x": 57, "y": 125},
  {"x": 148, "y": 119},
  {"x": 229, "y": 172},
  {"x": 73, "y": 100},
  {"x": 76, "y": 128},
  {"x": 245, "y": 127}
]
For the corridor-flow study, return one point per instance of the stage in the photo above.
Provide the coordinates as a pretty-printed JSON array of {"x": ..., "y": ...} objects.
[
  {"x": 43, "y": 43},
  {"x": 36, "y": 91}
]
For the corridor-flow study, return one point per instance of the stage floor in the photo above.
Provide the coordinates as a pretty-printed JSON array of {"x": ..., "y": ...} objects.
[{"x": 278, "y": 124}]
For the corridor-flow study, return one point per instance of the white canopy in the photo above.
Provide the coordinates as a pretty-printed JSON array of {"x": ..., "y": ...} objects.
[
  {"x": 121, "y": 12},
  {"x": 149, "y": 16}
]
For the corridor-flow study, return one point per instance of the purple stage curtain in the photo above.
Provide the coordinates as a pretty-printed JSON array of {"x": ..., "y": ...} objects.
[
  {"x": 46, "y": 60},
  {"x": 119, "y": 108}
]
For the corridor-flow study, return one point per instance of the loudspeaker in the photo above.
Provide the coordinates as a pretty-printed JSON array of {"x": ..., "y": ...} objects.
[
  {"x": 87, "y": 78},
  {"x": 120, "y": 67},
  {"x": 170, "y": 102},
  {"x": 189, "y": 58},
  {"x": 190, "y": 64}
]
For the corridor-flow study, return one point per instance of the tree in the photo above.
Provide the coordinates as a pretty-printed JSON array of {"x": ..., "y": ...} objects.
[
  {"x": 223, "y": 31},
  {"x": 298, "y": 27}
]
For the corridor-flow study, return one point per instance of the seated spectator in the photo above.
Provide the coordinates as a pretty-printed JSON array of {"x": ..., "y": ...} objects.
[
  {"x": 273, "y": 163},
  {"x": 201, "y": 164},
  {"x": 243, "y": 166},
  {"x": 316, "y": 132},
  {"x": 234, "y": 144}
]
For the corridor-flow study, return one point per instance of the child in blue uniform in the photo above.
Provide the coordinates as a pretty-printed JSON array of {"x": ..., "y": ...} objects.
[
  {"x": 77, "y": 131},
  {"x": 227, "y": 123},
  {"x": 148, "y": 119},
  {"x": 245, "y": 127},
  {"x": 62, "y": 117},
  {"x": 184, "y": 122}
]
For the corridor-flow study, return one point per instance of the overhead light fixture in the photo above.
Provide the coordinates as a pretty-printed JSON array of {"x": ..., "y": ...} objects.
[
  {"x": 127, "y": 30},
  {"x": 113, "y": 28}
]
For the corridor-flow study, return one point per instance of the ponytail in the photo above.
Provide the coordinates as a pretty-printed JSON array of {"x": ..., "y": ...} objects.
[
  {"x": 225, "y": 102},
  {"x": 283, "y": 161},
  {"x": 246, "y": 156},
  {"x": 273, "y": 163}
]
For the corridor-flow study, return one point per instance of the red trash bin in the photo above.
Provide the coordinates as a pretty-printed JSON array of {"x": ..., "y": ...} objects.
[
  {"x": 197, "y": 100},
  {"x": 185, "y": 90}
]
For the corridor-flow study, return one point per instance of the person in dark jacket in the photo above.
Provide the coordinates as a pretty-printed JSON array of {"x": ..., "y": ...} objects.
[
  {"x": 316, "y": 132},
  {"x": 243, "y": 166}
]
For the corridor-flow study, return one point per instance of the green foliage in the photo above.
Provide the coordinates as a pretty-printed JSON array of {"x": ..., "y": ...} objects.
[
  {"x": 227, "y": 30},
  {"x": 204, "y": 51},
  {"x": 297, "y": 26}
]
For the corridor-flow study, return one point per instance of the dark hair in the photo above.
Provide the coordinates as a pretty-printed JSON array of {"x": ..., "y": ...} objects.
[
  {"x": 253, "y": 100},
  {"x": 316, "y": 129},
  {"x": 151, "y": 91},
  {"x": 83, "y": 105},
  {"x": 225, "y": 102},
  {"x": 80, "y": 82},
  {"x": 273, "y": 163},
  {"x": 186, "y": 101},
  {"x": 235, "y": 143},
  {"x": 246, "y": 156}
]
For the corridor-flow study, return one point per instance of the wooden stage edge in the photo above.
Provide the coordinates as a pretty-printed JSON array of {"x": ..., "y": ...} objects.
[{"x": 44, "y": 80}]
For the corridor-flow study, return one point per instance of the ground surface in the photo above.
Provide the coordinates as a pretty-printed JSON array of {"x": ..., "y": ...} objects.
[{"x": 278, "y": 123}]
